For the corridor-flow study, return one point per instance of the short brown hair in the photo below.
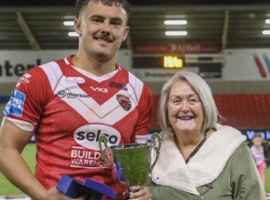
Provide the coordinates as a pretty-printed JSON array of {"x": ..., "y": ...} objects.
[
  {"x": 80, "y": 4},
  {"x": 257, "y": 135}
]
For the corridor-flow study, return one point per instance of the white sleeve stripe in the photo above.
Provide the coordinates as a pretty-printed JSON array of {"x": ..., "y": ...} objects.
[
  {"x": 141, "y": 139},
  {"x": 23, "y": 125}
]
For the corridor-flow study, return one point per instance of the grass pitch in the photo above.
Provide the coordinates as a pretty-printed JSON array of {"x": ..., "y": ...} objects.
[{"x": 6, "y": 188}]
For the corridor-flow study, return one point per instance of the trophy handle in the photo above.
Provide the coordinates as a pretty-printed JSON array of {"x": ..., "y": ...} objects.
[
  {"x": 104, "y": 140},
  {"x": 155, "y": 137}
]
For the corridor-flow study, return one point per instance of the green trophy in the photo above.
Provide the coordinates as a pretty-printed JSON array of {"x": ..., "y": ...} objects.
[{"x": 132, "y": 162}]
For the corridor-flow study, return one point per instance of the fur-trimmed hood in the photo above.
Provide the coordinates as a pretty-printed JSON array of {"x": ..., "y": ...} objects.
[{"x": 171, "y": 169}]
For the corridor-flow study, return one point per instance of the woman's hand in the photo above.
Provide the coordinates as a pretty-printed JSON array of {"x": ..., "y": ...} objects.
[{"x": 140, "y": 193}]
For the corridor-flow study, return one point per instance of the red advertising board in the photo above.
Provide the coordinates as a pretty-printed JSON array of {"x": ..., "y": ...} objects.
[{"x": 175, "y": 48}]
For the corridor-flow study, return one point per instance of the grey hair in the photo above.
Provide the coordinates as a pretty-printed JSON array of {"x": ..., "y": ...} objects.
[{"x": 210, "y": 111}]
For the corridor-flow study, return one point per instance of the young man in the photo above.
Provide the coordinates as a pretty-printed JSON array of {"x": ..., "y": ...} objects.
[{"x": 68, "y": 104}]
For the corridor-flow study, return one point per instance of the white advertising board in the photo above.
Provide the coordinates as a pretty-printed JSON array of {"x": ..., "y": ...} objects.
[
  {"x": 14, "y": 64},
  {"x": 246, "y": 64},
  {"x": 239, "y": 64}
]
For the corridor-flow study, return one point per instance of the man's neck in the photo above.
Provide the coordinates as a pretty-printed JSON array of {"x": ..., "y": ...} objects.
[{"x": 92, "y": 65}]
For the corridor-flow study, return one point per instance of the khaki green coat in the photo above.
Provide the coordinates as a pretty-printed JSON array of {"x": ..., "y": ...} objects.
[{"x": 238, "y": 180}]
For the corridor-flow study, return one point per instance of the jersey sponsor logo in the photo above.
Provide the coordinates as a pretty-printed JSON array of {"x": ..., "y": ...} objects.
[
  {"x": 118, "y": 86},
  {"x": 124, "y": 101},
  {"x": 98, "y": 89},
  {"x": 26, "y": 75},
  {"x": 24, "y": 80},
  {"x": 88, "y": 135},
  {"x": 87, "y": 154},
  {"x": 72, "y": 80},
  {"x": 15, "y": 104},
  {"x": 62, "y": 94},
  {"x": 84, "y": 158}
]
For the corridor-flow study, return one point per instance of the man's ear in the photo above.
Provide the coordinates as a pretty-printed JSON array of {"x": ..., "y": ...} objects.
[
  {"x": 77, "y": 26},
  {"x": 126, "y": 31}
]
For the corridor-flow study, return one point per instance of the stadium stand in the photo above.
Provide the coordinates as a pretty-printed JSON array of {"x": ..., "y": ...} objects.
[{"x": 242, "y": 111}]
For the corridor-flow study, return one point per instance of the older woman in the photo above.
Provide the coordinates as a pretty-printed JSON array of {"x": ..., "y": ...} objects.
[{"x": 199, "y": 158}]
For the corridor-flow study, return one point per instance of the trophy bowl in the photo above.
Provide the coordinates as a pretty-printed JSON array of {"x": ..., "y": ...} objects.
[{"x": 131, "y": 163}]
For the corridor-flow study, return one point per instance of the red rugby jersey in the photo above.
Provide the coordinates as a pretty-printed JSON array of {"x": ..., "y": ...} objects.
[{"x": 69, "y": 111}]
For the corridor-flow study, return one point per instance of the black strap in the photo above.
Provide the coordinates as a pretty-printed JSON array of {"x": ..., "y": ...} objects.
[{"x": 197, "y": 148}]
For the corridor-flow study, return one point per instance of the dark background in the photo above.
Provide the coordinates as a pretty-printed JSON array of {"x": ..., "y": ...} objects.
[{"x": 135, "y": 2}]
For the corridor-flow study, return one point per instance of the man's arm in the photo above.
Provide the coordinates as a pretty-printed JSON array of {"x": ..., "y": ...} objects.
[{"x": 12, "y": 165}]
